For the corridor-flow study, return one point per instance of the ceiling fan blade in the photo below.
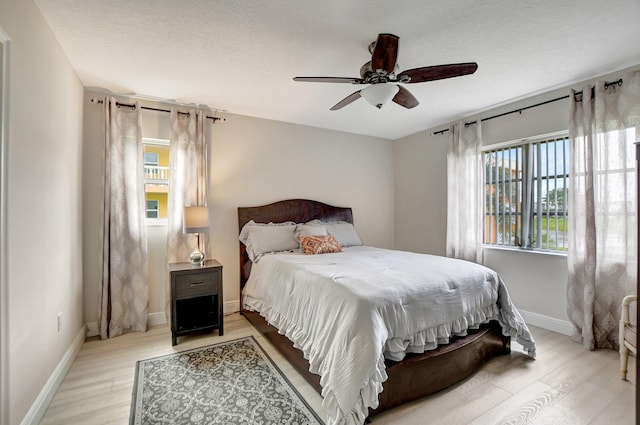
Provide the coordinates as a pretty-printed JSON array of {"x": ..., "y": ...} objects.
[
  {"x": 385, "y": 53},
  {"x": 352, "y": 80},
  {"x": 438, "y": 72},
  {"x": 347, "y": 100},
  {"x": 405, "y": 98}
]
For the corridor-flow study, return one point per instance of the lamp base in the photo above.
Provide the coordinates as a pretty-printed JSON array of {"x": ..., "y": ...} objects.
[{"x": 197, "y": 257}]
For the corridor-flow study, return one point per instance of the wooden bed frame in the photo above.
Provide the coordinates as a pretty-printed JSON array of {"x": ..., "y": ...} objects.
[{"x": 417, "y": 375}]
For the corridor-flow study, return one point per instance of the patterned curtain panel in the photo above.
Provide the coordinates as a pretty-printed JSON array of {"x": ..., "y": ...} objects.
[
  {"x": 464, "y": 198},
  {"x": 124, "y": 295},
  {"x": 604, "y": 124},
  {"x": 187, "y": 185}
]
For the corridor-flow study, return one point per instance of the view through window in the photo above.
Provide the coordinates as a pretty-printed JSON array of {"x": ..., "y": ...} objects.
[
  {"x": 156, "y": 177},
  {"x": 526, "y": 186}
]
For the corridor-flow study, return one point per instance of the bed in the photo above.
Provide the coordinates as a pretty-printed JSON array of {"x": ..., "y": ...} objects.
[{"x": 402, "y": 380}]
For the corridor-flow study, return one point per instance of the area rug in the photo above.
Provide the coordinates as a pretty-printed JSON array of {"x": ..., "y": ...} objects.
[{"x": 233, "y": 382}]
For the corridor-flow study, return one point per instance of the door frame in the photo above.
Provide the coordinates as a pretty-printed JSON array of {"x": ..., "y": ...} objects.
[{"x": 5, "y": 42}]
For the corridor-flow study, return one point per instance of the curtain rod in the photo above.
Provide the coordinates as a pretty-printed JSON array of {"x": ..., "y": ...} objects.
[
  {"x": 149, "y": 108},
  {"x": 578, "y": 98}
]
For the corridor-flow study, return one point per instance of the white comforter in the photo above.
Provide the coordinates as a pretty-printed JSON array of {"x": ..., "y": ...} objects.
[{"x": 347, "y": 311}]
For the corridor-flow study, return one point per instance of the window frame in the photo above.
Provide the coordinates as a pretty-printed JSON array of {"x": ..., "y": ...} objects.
[{"x": 535, "y": 180}]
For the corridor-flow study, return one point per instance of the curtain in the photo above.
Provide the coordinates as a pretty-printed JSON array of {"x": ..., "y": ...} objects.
[
  {"x": 124, "y": 292},
  {"x": 603, "y": 127},
  {"x": 187, "y": 185},
  {"x": 464, "y": 197}
]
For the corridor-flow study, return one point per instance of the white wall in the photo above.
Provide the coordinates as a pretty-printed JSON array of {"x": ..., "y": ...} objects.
[
  {"x": 536, "y": 282},
  {"x": 44, "y": 204},
  {"x": 421, "y": 193},
  {"x": 253, "y": 162}
]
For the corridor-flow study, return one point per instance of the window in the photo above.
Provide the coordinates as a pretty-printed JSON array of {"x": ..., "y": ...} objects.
[
  {"x": 526, "y": 186},
  {"x": 151, "y": 158},
  {"x": 156, "y": 177},
  {"x": 152, "y": 208}
]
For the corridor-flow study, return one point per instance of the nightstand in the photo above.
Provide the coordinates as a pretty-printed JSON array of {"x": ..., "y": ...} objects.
[{"x": 196, "y": 298}]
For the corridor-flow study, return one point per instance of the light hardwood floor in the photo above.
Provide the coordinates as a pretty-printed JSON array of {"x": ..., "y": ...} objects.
[{"x": 564, "y": 385}]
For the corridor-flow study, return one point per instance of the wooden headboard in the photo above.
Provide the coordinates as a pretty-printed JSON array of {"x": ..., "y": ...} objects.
[{"x": 296, "y": 210}]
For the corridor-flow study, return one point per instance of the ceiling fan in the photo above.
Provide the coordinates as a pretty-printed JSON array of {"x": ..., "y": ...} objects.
[{"x": 383, "y": 69}]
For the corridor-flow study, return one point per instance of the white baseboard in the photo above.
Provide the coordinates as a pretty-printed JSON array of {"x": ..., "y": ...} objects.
[
  {"x": 158, "y": 318},
  {"x": 153, "y": 319},
  {"x": 550, "y": 323},
  {"x": 231, "y": 306},
  {"x": 91, "y": 329},
  {"x": 546, "y": 322},
  {"x": 535, "y": 319},
  {"x": 39, "y": 406}
]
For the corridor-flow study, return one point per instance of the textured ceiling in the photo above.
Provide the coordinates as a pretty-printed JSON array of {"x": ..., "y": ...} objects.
[{"x": 240, "y": 56}]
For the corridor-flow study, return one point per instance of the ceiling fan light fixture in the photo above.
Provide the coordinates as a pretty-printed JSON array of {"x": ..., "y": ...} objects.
[
  {"x": 381, "y": 74},
  {"x": 379, "y": 94}
]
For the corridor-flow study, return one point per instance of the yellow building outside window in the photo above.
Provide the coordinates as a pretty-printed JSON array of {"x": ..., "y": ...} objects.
[{"x": 156, "y": 177}]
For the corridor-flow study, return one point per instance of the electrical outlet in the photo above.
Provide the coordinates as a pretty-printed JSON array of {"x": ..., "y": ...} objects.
[{"x": 59, "y": 322}]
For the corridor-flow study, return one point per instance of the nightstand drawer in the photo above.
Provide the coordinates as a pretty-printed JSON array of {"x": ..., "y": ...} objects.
[{"x": 193, "y": 285}]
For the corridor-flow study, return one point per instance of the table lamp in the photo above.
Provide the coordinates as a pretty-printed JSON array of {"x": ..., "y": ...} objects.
[{"x": 196, "y": 220}]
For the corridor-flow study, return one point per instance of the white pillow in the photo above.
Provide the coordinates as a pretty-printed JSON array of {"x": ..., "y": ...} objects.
[
  {"x": 311, "y": 229},
  {"x": 262, "y": 238},
  {"x": 344, "y": 232}
]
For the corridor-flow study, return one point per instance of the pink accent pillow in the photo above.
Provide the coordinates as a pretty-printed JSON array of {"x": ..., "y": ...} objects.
[{"x": 319, "y": 244}]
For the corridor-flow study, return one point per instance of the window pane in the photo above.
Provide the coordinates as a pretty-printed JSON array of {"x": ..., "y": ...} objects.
[
  {"x": 152, "y": 208},
  {"x": 526, "y": 195},
  {"x": 502, "y": 196},
  {"x": 150, "y": 158},
  {"x": 156, "y": 177}
]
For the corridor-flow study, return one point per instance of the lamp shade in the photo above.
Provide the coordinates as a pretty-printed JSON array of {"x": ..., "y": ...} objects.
[
  {"x": 195, "y": 220},
  {"x": 379, "y": 94}
]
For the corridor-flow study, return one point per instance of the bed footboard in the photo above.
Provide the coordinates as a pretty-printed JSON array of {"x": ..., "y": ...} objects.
[{"x": 418, "y": 375}]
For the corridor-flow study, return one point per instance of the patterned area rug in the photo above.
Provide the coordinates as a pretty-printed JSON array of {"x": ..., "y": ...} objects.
[{"x": 233, "y": 382}]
